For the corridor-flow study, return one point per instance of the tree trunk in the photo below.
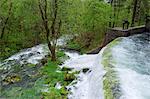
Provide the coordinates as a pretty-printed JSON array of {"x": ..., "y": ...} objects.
[
  {"x": 134, "y": 12},
  {"x": 53, "y": 53},
  {"x": 113, "y": 4},
  {"x": 6, "y": 21},
  {"x": 3, "y": 30},
  {"x": 114, "y": 20},
  {"x": 51, "y": 33}
]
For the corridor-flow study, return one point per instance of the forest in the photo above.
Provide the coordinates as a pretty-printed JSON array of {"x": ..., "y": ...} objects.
[{"x": 31, "y": 58}]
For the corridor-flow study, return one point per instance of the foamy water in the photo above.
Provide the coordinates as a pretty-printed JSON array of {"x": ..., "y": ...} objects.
[
  {"x": 132, "y": 58},
  {"x": 88, "y": 85}
]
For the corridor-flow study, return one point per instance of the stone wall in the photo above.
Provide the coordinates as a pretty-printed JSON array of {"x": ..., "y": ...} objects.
[{"x": 114, "y": 33}]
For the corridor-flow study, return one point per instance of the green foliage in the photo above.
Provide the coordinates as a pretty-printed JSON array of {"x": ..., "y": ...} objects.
[
  {"x": 87, "y": 18},
  {"x": 73, "y": 45},
  {"x": 96, "y": 16},
  {"x": 91, "y": 20},
  {"x": 22, "y": 29},
  {"x": 60, "y": 54}
]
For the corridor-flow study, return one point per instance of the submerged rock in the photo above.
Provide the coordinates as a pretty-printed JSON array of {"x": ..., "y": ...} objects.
[
  {"x": 85, "y": 70},
  {"x": 66, "y": 69}
]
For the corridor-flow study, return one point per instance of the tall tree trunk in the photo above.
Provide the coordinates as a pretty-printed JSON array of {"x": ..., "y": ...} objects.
[
  {"x": 134, "y": 13},
  {"x": 6, "y": 21},
  {"x": 51, "y": 33},
  {"x": 114, "y": 20},
  {"x": 113, "y": 4},
  {"x": 53, "y": 53}
]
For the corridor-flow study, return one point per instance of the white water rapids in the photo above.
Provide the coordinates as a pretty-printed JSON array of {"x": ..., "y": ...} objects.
[
  {"x": 31, "y": 55},
  {"x": 132, "y": 58},
  {"x": 88, "y": 85}
]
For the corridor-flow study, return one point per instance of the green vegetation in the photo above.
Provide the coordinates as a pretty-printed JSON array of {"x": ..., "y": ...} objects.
[
  {"x": 21, "y": 26},
  {"x": 96, "y": 16},
  {"x": 26, "y": 23}
]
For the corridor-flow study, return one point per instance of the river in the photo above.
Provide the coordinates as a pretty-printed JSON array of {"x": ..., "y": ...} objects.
[{"x": 132, "y": 66}]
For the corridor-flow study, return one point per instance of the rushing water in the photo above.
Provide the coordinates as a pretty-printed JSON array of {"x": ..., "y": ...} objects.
[
  {"x": 132, "y": 65},
  {"x": 132, "y": 58},
  {"x": 88, "y": 85}
]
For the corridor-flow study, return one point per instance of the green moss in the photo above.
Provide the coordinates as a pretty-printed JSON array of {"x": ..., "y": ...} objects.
[
  {"x": 60, "y": 54},
  {"x": 111, "y": 82},
  {"x": 31, "y": 65}
]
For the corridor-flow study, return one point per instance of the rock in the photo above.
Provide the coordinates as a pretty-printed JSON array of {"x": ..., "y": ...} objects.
[
  {"x": 44, "y": 61},
  {"x": 85, "y": 70},
  {"x": 66, "y": 69}
]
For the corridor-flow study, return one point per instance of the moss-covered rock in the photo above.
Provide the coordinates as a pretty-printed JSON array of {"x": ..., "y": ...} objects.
[
  {"x": 13, "y": 78},
  {"x": 63, "y": 91},
  {"x": 69, "y": 77}
]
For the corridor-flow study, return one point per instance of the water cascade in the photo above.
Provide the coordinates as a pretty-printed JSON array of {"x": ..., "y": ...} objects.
[
  {"x": 132, "y": 57},
  {"x": 88, "y": 84}
]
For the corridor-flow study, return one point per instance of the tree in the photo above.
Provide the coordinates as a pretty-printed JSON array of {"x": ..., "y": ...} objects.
[
  {"x": 7, "y": 18},
  {"x": 52, "y": 32},
  {"x": 134, "y": 12},
  {"x": 140, "y": 11}
]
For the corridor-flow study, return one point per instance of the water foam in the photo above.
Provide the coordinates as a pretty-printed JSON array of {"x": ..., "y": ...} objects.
[{"x": 88, "y": 85}]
